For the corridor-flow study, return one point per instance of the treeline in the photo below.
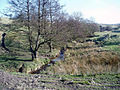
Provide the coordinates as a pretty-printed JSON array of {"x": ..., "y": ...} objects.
[{"x": 44, "y": 22}]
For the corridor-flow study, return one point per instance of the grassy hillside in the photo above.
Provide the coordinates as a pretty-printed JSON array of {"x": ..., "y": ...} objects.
[
  {"x": 85, "y": 59},
  {"x": 19, "y": 55},
  {"x": 109, "y": 40},
  {"x": 4, "y": 20},
  {"x": 100, "y": 55},
  {"x": 109, "y": 27},
  {"x": 92, "y": 64}
]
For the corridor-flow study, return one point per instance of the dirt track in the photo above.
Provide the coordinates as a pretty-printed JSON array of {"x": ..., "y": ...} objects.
[{"x": 45, "y": 82}]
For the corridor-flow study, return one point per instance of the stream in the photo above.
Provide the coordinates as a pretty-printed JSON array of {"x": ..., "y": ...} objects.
[{"x": 59, "y": 58}]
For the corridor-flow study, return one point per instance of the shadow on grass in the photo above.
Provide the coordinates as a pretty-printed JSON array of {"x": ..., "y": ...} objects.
[
  {"x": 5, "y": 58},
  {"x": 25, "y": 60}
]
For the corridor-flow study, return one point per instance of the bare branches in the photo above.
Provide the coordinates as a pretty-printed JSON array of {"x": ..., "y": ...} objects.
[{"x": 43, "y": 22}]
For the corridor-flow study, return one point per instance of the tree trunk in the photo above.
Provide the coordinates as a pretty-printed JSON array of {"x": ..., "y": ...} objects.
[
  {"x": 50, "y": 46},
  {"x": 34, "y": 55}
]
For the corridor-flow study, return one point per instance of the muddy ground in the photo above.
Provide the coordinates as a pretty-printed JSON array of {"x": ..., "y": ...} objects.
[{"x": 10, "y": 81}]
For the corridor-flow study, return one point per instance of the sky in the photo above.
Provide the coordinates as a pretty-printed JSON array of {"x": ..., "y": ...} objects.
[
  {"x": 3, "y": 4},
  {"x": 103, "y": 11}
]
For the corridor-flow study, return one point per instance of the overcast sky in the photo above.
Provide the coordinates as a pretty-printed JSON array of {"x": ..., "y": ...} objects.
[{"x": 103, "y": 11}]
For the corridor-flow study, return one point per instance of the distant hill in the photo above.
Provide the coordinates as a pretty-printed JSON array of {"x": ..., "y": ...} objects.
[{"x": 109, "y": 27}]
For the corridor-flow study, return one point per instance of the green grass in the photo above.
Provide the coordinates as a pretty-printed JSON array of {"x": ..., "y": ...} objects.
[
  {"x": 100, "y": 34},
  {"x": 111, "y": 42},
  {"x": 105, "y": 79},
  {"x": 17, "y": 43},
  {"x": 12, "y": 64},
  {"x": 115, "y": 48},
  {"x": 81, "y": 82}
]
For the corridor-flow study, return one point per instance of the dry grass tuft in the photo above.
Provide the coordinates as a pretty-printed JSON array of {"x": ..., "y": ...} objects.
[{"x": 91, "y": 60}]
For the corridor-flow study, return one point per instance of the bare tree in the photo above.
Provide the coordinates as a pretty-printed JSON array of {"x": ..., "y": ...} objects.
[
  {"x": 46, "y": 24},
  {"x": 38, "y": 16},
  {"x": 74, "y": 27}
]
